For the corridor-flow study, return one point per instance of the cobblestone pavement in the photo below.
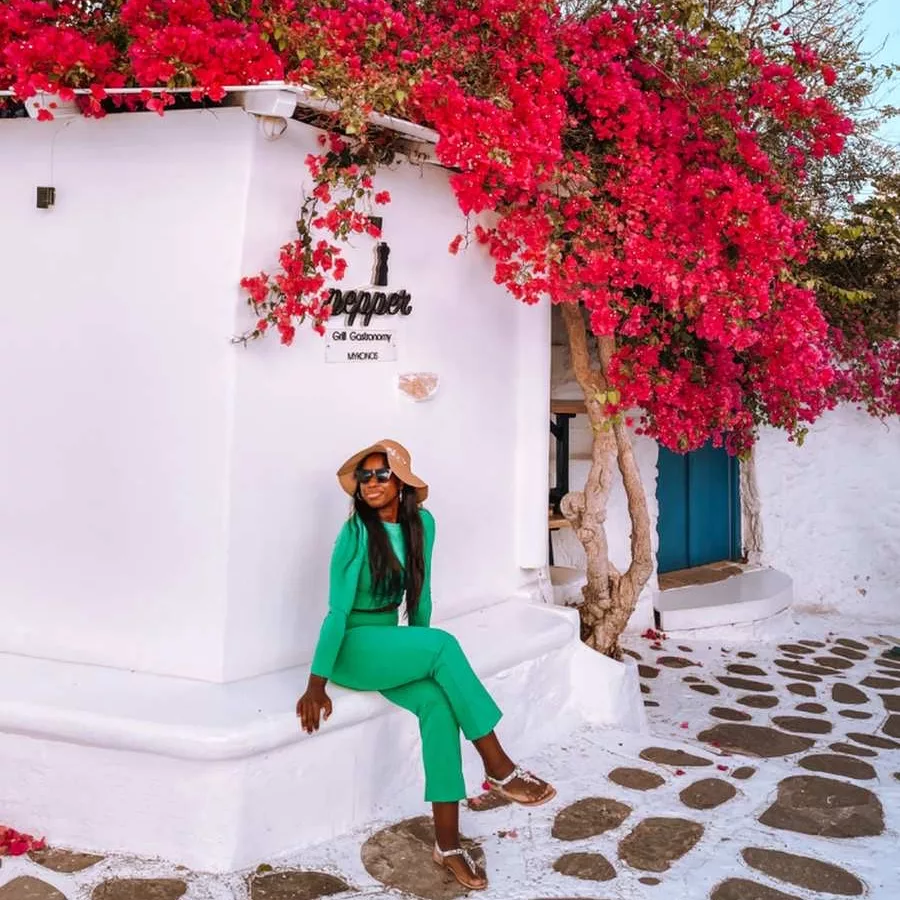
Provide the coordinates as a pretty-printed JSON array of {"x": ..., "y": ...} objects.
[{"x": 772, "y": 772}]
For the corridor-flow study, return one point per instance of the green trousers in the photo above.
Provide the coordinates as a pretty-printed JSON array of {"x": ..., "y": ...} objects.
[{"x": 425, "y": 671}]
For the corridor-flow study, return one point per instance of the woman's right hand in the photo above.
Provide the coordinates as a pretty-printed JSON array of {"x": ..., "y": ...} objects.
[{"x": 312, "y": 705}]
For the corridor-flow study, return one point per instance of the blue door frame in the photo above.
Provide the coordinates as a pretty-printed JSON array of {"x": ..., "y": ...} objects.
[{"x": 699, "y": 508}]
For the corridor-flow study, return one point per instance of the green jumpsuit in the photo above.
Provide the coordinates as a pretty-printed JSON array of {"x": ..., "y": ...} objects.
[{"x": 419, "y": 668}]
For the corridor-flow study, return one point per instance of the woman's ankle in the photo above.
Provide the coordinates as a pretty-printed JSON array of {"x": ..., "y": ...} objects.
[
  {"x": 501, "y": 770},
  {"x": 445, "y": 845}
]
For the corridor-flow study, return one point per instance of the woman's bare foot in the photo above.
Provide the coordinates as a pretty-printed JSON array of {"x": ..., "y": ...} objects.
[
  {"x": 521, "y": 787},
  {"x": 461, "y": 866}
]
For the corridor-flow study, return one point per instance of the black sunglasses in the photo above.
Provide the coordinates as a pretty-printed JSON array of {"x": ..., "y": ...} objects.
[{"x": 382, "y": 476}]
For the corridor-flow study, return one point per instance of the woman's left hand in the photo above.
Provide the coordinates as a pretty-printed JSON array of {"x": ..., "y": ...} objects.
[{"x": 313, "y": 705}]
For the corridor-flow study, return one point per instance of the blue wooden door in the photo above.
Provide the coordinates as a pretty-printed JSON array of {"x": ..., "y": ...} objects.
[{"x": 699, "y": 508}]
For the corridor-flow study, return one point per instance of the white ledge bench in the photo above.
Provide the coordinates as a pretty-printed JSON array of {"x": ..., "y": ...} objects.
[{"x": 219, "y": 777}]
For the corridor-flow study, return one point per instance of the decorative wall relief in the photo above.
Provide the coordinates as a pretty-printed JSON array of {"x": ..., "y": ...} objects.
[{"x": 418, "y": 386}]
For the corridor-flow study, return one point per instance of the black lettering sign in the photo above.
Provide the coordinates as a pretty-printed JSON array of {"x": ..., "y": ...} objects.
[
  {"x": 365, "y": 305},
  {"x": 380, "y": 276},
  {"x": 336, "y": 301}
]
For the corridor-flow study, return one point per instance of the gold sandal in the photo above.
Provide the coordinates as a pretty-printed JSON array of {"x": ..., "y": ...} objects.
[
  {"x": 522, "y": 797},
  {"x": 473, "y": 882}
]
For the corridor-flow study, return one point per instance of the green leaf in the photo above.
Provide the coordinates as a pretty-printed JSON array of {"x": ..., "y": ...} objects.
[{"x": 695, "y": 18}]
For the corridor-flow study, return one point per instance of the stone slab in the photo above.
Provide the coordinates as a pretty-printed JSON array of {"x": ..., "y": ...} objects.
[
  {"x": 64, "y": 861},
  {"x": 803, "y": 724},
  {"x": 295, "y": 885},
  {"x": 636, "y": 779},
  {"x": 708, "y": 793},
  {"x": 139, "y": 889},
  {"x": 836, "y": 764},
  {"x": 755, "y": 740},
  {"x": 729, "y": 715},
  {"x": 678, "y": 758},
  {"x": 589, "y": 817},
  {"x": 27, "y": 888},
  {"x": 742, "y": 889},
  {"x": 399, "y": 856},
  {"x": 848, "y": 694},
  {"x": 658, "y": 842},
  {"x": 852, "y": 750},
  {"x": 745, "y": 684},
  {"x": 742, "y": 669},
  {"x": 873, "y": 740},
  {"x": 803, "y": 871},
  {"x": 758, "y": 701},
  {"x": 586, "y": 866},
  {"x": 811, "y": 804}
]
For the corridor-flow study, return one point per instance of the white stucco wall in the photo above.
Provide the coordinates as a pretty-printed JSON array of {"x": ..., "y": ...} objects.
[
  {"x": 168, "y": 501},
  {"x": 831, "y": 511},
  {"x": 481, "y": 442},
  {"x": 114, "y": 384}
]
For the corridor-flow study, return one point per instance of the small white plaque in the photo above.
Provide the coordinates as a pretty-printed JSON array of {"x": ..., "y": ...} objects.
[{"x": 359, "y": 345}]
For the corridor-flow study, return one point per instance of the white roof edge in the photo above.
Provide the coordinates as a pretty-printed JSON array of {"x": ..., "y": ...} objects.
[{"x": 306, "y": 97}]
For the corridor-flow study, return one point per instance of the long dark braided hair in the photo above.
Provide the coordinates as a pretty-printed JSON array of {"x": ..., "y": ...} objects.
[{"x": 389, "y": 578}]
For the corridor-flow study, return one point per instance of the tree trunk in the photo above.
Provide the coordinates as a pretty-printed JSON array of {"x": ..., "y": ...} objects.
[
  {"x": 609, "y": 597},
  {"x": 751, "y": 515}
]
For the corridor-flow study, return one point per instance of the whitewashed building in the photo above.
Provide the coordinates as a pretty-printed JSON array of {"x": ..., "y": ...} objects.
[{"x": 168, "y": 501}]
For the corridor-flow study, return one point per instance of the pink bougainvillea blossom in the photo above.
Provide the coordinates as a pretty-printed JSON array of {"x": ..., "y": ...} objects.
[{"x": 599, "y": 161}]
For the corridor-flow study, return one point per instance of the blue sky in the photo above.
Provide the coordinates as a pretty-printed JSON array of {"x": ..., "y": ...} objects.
[{"x": 883, "y": 27}]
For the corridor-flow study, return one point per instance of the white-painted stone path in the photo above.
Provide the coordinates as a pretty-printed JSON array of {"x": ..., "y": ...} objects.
[{"x": 814, "y": 713}]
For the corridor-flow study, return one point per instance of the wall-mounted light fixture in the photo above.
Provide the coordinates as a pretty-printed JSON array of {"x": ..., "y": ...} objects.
[
  {"x": 274, "y": 103},
  {"x": 272, "y": 109},
  {"x": 53, "y": 103},
  {"x": 46, "y": 197}
]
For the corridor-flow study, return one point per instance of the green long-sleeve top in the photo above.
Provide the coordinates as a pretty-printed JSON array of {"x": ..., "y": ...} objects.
[{"x": 350, "y": 585}]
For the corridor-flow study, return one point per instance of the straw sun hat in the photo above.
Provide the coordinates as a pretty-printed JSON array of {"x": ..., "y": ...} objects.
[{"x": 398, "y": 461}]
